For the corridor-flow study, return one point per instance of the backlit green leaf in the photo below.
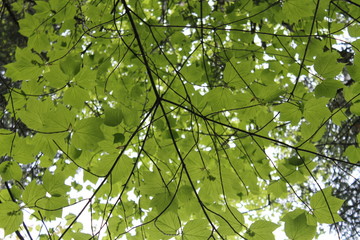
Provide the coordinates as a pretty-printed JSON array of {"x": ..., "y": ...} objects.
[
  {"x": 11, "y": 217},
  {"x": 297, "y": 227},
  {"x": 54, "y": 184},
  {"x": 76, "y": 97},
  {"x": 168, "y": 223},
  {"x": 328, "y": 88},
  {"x": 353, "y": 153},
  {"x": 315, "y": 110},
  {"x": 87, "y": 133},
  {"x": 326, "y": 206},
  {"x": 295, "y": 10},
  {"x": 32, "y": 193},
  {"x": 10, "y": 170},
  {"x": 327, "y": 66},
  {"x": 70, "y": 65},
  {"x": 196, "y": 229},
  {"x": 113, "y": 116},
  {"x": 178, "y": 120},
  {"x": 262, "y": 229}
]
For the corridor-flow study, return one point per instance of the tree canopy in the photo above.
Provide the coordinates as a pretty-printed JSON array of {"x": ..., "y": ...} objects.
[{"x": 180, "y": 119}]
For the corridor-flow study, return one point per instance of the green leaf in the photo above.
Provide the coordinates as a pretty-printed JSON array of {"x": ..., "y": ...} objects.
[
  {"x": 59, "y": 120},
  {"x": 291, "y": 174},
  {"x": 22, "y": 151},
  {"x": 151, "y": 185},
  {"x": 179, "y": 117},
  {"x": 32, "y": 193},
  {"x": 196, "y": 229},
  {"x": 295, "y": 10},
  {"x": 235, "y": 75},
  {"x": 328, "y": 88},
  {"x": 131, "y": 117},
  {"x": 70, "y": 65},
  {"x": 354, "y": 30},
  {"x": 297, "y": 226},
  {"x": 220, "y": 98},
  {"x": 39, "y": 42},
  {"x": 168, "y": 223},
  {"x": 52, "y": 206},
  {"x": 54, "y": 184},
  {"x": 27, "y": 26},
  {"x": 289, "y": 112},
  {"x": 27, "y": 65},
  {"x": 277, "y": 189},
  {"x": 352, "y": 92},
  {"x": 353, "y": 69},
  {"x": 55, "y": 76},
  {"x": 122, "y": 169},
  {"x": 116, "y": 225},
  {"x": 164, "y": 200},
  {"x": 327, "y": 66},
  {"x": 86, "y": 78},
  {"x": 80, "y": 235},
  {"x": 10, "y": 170},
  {"x": 353, "y": 154},
  {"x": 113, "y": 117},
  {"x": 87, "y": 133},
  {"x": 295, "y": 161},
  {"x": 231, "y": 220},
  {"x": 35, "y": 113},
  {"x": 261, "y": 230},
  {"x": 315, "y": 110},
  {"x": 119, "y": 138},
  {"x": 45, "y": 143},
  {"x": 11, "y": 217},
  {"x": 326, "y": 206},
  {"x": 76, "y": 97},
  {"x": 355, "y": 108},
  {"x": 6, "y": 138}
]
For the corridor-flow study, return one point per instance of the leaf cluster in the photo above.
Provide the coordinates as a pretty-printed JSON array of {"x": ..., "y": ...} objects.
[{"x": 185, "y": 120}]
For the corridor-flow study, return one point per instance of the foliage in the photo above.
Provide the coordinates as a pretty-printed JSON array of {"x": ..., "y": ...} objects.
[
  {"x": 9, "y": 39},
  {"x": 180, "y": 119}
]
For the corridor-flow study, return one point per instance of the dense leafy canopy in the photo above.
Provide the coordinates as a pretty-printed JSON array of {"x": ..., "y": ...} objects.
[{"x": 180, "y": 119}]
